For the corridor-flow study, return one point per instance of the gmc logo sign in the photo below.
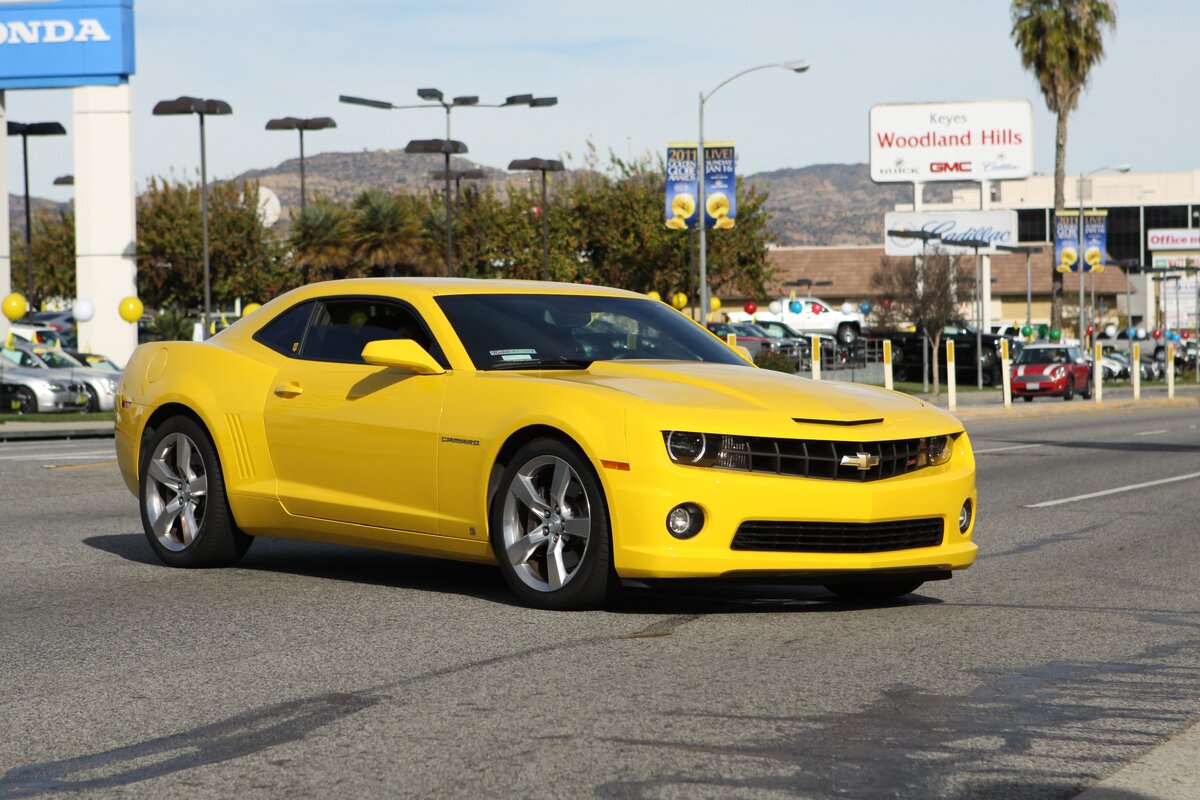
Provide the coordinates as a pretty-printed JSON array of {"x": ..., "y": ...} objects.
[{"x": 950, "y": 166}]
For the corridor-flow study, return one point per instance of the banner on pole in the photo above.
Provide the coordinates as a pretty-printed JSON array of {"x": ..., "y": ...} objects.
[
  {"x": 720, "y": 186},
  {"x": 1067, "y": 241}
]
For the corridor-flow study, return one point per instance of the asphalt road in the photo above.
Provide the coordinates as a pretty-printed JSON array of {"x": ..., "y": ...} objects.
[{"x": 1069, "y": 650}]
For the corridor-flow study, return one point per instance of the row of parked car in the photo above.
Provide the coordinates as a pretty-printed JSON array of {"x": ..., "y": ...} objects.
[{"x": 38, "y": 374}]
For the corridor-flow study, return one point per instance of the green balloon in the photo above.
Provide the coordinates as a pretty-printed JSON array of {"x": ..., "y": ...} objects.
[
  {"x": 1043, "y": 331},
  {"x": 1055, "y": 334},
  {"x": 1026, "y": 330}
]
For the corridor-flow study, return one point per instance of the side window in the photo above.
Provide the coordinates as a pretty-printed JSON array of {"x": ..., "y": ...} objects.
[
  {"x": 285, "y": 333},
  {"x": 341, "y": 328}
]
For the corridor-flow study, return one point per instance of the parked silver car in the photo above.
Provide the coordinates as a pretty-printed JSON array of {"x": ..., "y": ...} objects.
[
  {"x": 99, "y": 385},
  {"x": 29, "y": 391}
]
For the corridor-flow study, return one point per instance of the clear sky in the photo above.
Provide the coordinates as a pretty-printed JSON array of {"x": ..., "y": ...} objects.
[{"x": 627, "y": 74}]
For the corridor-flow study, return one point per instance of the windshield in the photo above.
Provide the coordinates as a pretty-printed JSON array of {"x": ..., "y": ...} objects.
[
  {"x": 57, "y": 358},
  {"x": 499, "y": 330},
  {"x": 1043, "y": 355}
]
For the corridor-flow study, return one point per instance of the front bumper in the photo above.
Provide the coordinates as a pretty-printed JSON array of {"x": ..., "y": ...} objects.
[
  {"x": 1051, "y": 387},
  {"x": 640, "y": 499}
]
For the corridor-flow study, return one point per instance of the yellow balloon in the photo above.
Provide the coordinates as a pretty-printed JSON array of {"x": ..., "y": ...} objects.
[
  {"x": 714, "y": 303},
  {"x": 131, "y": 309},
  {"x": 653, "y": 295},
  {"x": 250, "y": 308},
  {"x": 680, "y": 300},
  {"x": 15, "y": 307}
]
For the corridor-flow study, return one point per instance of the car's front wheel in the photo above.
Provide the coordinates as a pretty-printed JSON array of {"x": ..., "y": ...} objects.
[
  {"x": 873, "y": 592},
  {"x": 1069, "y": 392},
  {"x": 93, "y": 399},
  {"x": 185, "y": 512},
  {"x": 847, "y": 333},
  {"x": 26, "y": 401},
  {"x": 549, "y": 528}
]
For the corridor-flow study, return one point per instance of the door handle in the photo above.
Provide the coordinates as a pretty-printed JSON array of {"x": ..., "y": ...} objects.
[{"x": 289, "y": 389}]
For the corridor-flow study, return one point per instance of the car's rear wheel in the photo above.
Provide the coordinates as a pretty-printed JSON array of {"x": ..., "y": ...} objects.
[
  {"x": 873, "y": 592},
  {"x": 1028, "y": 398},
  {"x": 549, "y": 528},
  {"x": 93, "y": 399},
  {"x": 1086, "y": 392},
  {"x": 185, "y": 512},
  {"x": 847, "y": 333},
  {"x": 26, "y": 401}
]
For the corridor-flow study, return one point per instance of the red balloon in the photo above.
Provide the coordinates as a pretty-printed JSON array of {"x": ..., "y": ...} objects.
[
  {"x": 750, "y": 307},
  {"x": 818, "y": 308},
  {"x": 1184, "y": 334},
  {"x": 1157, "y": 334},
  {"x": 1090, "y": 331},
  {"x": 887, "y": 302}
]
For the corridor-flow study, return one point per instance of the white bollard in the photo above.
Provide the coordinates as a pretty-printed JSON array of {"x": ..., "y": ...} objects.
[
  {"x": 951, "y": 378},
  {"x": 816, "y": 358},
  {"x": 1098, "y": 375},
  {"x": 1005, "y": 373},
  {"x": 1136, "y": 368},
  {"x": 887, "y": 365},
  {"x": 1170, "y": 372}
]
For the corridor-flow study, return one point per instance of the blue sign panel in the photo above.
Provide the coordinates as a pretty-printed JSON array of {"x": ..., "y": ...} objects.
[
  {"x": 681, "y": 186},
  {"x": 65, "y": 43},
  {"x": 720, "y": 184}
]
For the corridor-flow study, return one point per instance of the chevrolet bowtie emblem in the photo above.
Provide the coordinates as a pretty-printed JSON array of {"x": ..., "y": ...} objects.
[{"x": 861, "y": 461}]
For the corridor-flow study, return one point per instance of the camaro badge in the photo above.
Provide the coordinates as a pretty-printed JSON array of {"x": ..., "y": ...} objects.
[{"x": 862, "y": 461}]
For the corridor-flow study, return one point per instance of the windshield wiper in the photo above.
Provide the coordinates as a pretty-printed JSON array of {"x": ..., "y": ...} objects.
[{"x": 561, "y": 362}]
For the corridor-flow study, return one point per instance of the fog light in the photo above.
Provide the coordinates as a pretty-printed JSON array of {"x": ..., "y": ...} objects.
[
  {"x": 964, "y": 517},
  {"x": 685, "y": 520}
]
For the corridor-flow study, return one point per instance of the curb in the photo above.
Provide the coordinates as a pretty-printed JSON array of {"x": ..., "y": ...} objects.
[
  {"x": 1031, "y": 411},
  {"x": 42, "y": 431},
  {"x": 1170, "y": 771}
]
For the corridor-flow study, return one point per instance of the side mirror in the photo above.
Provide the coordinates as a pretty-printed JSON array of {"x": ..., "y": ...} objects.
[
  {"x": 401, "y": 354},
  {"x": 744, "y": 352}
]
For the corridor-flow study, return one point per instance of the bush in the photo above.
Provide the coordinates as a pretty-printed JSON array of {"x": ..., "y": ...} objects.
[
  {"x": 780, "y": 362},
  {"x": 172, "y": 325}
]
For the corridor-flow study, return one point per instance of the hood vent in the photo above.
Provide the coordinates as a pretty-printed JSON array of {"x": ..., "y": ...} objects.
[{"x": 841, "y": 422}]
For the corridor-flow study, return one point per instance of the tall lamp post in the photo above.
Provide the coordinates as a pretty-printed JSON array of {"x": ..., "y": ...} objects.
[
  {"x": 807, "y": 282},
  {"x": 1028, "y": 250},
  {"x": 542, "y": 165},
  {"x": 1079, "y": 259},
  {"x": 64, "y": 180},
  {"x": 434, "y": 99},
  {"x": 926, "y": 237},
  {"x": 446, "y": 147},
  {"x": 201, "y": 108},
  {"x": 977, "y": 245},
  {"x": 25, "y": 130},
  {"x": 458, "y": 175},
  {"x": 701, "y": 221},
  {"x": 301, "y": 125}
]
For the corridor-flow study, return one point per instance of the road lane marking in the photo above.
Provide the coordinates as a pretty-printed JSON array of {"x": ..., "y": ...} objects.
[
  {"x": 79, "y": 466},
  {"x": 57, "y": 456},
  {"x": 1118, "y": 490},
  {"x": 1013, "y": 447},
  {"x": 1150, "y": 433}
]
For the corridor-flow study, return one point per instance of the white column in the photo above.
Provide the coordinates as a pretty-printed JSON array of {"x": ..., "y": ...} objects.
[
  {"x": 985, "y": 293},
  {"x": 951, "y": 377},
  {"x": 5, "y": 252},
  {"x": 105, "y": 224}
]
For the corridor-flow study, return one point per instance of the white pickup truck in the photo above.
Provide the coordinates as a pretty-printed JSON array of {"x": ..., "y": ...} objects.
[{"x": 815, "y": 316}]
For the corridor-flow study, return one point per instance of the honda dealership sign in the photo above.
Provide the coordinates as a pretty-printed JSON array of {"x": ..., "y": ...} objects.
[
  {"x": 996, "y": 227},
  {"x": 970, "y": 141},
  {"x": 65, "y": 43}
]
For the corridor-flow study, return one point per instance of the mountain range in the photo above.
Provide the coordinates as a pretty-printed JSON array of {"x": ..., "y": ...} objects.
[{"x": 822, "y": 204}]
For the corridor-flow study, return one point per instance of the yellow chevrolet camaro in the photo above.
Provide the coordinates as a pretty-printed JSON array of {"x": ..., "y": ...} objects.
[{"x": 577, "y": 436}]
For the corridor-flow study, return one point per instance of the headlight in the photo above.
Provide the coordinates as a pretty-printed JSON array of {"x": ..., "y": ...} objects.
[
  {"x": 936, "y": 450},
  {"x": 110, "y": 384},
  {"x": 708, "y": 449},
  {"x": 54, "y": 387},
  {"x": 685, "y": 447},
  {"x": 1057, "y": 373}
]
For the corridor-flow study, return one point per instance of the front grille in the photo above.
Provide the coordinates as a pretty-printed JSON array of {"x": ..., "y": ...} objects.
[
  {"x": 815, "y": 458},
  {"x": 838, "y": 537}
]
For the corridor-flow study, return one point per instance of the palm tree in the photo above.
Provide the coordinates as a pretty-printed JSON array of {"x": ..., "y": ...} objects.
[
  {"x": 1059, "y": 42},
  {"x": 319, "y": 241},
  {"x": 382, "y": 232}
]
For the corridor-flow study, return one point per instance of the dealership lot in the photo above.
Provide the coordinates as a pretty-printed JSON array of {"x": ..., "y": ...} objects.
[{"x": 1069, "y": 650}]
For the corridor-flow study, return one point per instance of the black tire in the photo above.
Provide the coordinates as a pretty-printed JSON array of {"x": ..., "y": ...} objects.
[
  {"x": 847, "y": 333},
  {"x": 179, "y": 455},
  {"x": 1069, "y": 392},
  {"x": 873, "y": 592},
  {"x": 93, "y": 402},
  {"x": 26, "y": 400},
  {"x": 1028, "y": 398},
  {"x": 1086, "y": 393},
  {"x": 576, "y": 528}
]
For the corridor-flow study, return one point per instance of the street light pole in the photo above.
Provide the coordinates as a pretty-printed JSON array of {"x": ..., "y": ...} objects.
[
  {"x": 201, "y": 108},
  {"x": 445, "y": 147},
  {"x": 1028, "y": 250},
  {"x": 25, "y": 130},
  {"x": 543, "y": 166},
  {"x": 926, "y": 237},
  {"x": 1079, "y": 259},
  {"x": 300, "y": 126},
  {"x": 702, "y": 212},
  {"x": 976, "y": 245}
]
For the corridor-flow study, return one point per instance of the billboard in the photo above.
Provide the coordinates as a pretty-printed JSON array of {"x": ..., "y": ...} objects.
[
  {"x": 1067, "y": 241},
  {"x": 720, "y": 186},
  {"x": 67, "y": 43},
  {"x": 1173, "y": 239},
  {"x": 996, "y": 227},
  {"x": 966, "y": 141}
]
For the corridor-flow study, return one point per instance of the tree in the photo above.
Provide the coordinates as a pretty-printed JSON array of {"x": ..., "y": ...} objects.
[
  {"x": 319, "y": 241},
  {"x": 382, "y": 232},
  {"x": 1059, "y": 41},
  {"x": 925, "y": 294},
  {"x": 53, "y": 258}
]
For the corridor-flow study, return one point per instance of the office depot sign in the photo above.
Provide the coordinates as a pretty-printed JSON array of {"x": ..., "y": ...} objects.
[
  {"x": 1173, "y": 239},
  {"x": 970, "y": 141}
]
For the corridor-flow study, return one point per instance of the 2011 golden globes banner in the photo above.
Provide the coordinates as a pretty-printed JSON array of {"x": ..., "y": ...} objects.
[
  {"x": 720, "y": 184},
  {"x": 1067, "y": 241}
]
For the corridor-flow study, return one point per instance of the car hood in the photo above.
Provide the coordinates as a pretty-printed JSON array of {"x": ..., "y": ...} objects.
[
  {"x": 710, "y": 389},
  {"x": 1035, "y": 369}
]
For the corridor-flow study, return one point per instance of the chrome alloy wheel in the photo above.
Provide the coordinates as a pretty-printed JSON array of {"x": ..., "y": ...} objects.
[
  {"x": 546, "y": 523},
  {"x": 176, "y": 492}
]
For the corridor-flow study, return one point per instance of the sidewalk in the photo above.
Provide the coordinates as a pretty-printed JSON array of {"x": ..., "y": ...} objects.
[{"x": 16, "y": 431}]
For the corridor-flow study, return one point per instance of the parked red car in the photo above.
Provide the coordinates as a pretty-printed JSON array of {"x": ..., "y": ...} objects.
[{"x": 1051, "y": 369}]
